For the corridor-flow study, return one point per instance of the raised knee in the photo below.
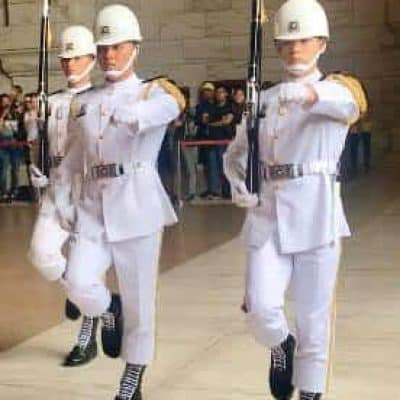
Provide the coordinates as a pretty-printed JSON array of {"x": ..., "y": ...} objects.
[
  {"x": 76, "y": 289},
  {"x": 51, "y": 266}
]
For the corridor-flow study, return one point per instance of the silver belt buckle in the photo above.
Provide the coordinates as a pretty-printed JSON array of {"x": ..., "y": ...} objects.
[
  {"x": 56, "y": 161},
  {"x": 280, "y": 171},
  {"x": 104, "y": 171},
  {"x": 284, "y": 171}
]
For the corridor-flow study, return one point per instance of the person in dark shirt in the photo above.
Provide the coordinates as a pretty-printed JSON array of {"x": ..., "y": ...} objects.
[
  {"x": 9, "y": 155},
  {"x": 220, "y": 127},
  {"x": 203, "y": 109},
  {"x": 201, "y": 118}
]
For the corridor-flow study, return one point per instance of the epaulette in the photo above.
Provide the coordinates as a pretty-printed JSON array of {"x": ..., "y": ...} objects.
[
  {"x": 355, "y": 86},
  {"x": 76, "y": 108},
  {"x": 89, "y": 89},
  {"x": 57, "y": 92},
  {"x": 154, "y": 78},
  {"x": 169, "y": 86}
]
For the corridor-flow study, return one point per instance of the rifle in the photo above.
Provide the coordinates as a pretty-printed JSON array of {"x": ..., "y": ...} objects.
[
  {"x": 254, "y": 81},
  {"x": 43, "y": 87}
]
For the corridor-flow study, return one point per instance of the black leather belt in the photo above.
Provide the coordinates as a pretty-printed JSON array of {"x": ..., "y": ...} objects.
[{"x": 103, "y": 171}]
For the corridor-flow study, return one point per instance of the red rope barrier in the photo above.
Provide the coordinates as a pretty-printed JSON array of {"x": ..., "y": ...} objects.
[
  {"x": 192, "y": 143},
  {"x": 14, "y": 143}
]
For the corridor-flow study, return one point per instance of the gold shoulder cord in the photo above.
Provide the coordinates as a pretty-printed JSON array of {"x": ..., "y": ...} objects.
[
  {"x": 147, "y": 90},
  {"x": 356, "y": 89},
  {"x": 169, "y": 88},
  {"x": 74, "y": 108}
]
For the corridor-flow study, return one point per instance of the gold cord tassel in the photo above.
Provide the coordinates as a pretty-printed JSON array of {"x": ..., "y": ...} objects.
[{"x": 264, "y": 13}]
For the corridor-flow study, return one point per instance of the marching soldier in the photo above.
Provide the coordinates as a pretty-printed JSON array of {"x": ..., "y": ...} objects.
[
  {"x": 117, "y": 133},
  {"x": 294, "y": 226},
  {"x": 77, "y": 59}
]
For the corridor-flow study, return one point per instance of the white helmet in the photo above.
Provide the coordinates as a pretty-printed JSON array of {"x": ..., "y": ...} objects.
[
  {"x": 116, "y": 24},
  {"x": 301, "y": 19},
  {"x": 77, "y": 41}
]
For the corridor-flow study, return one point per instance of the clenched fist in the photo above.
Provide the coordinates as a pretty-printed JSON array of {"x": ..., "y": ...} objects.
[{"x": 298, "y": 93}]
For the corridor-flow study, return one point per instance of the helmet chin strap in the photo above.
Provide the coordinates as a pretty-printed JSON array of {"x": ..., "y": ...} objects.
[
  {"x": 86, "y": 71},
  {"x": 300, "y": 69},
  {"x": 115, "y": 74}
]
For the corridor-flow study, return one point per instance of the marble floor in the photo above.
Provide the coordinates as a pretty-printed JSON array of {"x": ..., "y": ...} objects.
[{"x": 204, "y": 351}]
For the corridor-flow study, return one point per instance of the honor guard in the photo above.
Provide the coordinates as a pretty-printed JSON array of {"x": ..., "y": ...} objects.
[
  {"x": 77, "y": 59},
  {"x": 116, "y": 134},
  {"x": 294, "y": 225}
]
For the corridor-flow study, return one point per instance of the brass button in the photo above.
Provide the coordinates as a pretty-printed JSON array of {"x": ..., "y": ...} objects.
[{"x": 283, "y": 110}]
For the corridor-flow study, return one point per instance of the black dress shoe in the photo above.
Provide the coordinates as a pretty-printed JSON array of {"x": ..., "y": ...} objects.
[
  {"x": 136, "y": 396},
  {"x": 111, "y": 331},
  {"x": 281, "y": 370},
  {"x": 72, "y": 312},
  {"x": 310, "y": 396},
  {"x": 81, "y": 355}
]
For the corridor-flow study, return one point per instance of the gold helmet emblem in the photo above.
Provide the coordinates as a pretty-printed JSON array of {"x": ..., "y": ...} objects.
[{"x": 70, "y": 46}]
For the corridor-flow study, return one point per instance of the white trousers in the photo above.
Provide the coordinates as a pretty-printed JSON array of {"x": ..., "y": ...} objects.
[
  {"x": 136, "y": 265},
  {"x": 48, "y": 239},
  {"x": 312, "y": 279}
]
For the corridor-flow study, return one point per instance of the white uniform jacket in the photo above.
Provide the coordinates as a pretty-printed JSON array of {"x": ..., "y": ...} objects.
[
  {"x": 307, "y": 210},
  {"x": 135, "y": 203}
]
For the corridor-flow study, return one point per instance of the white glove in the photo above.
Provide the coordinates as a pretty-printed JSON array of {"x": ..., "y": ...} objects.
[
  {"x": 241, "y": 196},
  {"x": 292, "y": 92},
  {"x": 125, "y": 115},
  {"x": 67, "y": 218},
  {"x": 38, "y": 180}
]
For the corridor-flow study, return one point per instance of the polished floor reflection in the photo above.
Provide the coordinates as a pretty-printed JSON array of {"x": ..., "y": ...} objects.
[
  {"x": 28, "y": 305},
  {"x": 204, "y": 351}
]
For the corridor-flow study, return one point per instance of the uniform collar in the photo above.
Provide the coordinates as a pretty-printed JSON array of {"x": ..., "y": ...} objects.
[
  {"x": 132, "y": 80},
  {"x": 79, "y": 89},
  {"x": 310, "y": 78}
]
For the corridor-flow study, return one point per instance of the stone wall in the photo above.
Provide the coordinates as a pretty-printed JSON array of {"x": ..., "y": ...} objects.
[{"x": 194, "y": 40}]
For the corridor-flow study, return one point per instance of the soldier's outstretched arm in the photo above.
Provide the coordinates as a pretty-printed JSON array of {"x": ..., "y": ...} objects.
[
  {"x": 340, "y": 98},
  {"x": 154, "y": 110}
]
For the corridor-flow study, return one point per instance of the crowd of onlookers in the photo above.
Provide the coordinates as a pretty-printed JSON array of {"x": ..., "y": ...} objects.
[
  {"x": 18, "y": 125},
  {"x": 204, "y": 132}
]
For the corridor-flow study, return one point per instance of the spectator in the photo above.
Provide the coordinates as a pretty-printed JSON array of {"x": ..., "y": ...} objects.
[
  {"x": 206, "y": 100},
  {"x": 190, "y": 153},
  {"x": 29, "y": 131},
  {"x": 360, "y": 132},
  {"x": 238, "y": 104},
  {"x": 9, "y": 155},
  {"x": 203, "y": 109},
  {"x": 220, "y": 127},
  {"x": 16, "y": 97}
]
